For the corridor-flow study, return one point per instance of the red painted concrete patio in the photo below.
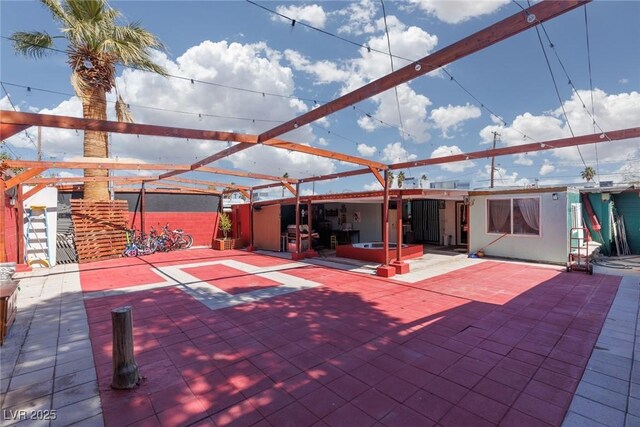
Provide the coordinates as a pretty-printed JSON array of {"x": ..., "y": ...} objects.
[{"x": 492, "y": 344}]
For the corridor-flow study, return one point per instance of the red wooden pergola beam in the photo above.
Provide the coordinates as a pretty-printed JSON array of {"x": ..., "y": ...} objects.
[
  {"x": 222, "y": 154},
  {"x": 336, "y": 175},
  {"x": 245, "y": 174},
  {"x": 379, "y": 177},
  {"x": 290, "y": 188},
  {"x": 66, "y": 122},
  {"x": 526, "y": 148},
  {"x": 502, "y": 30},
  {"x": 7, "y": 130},
  {"x": 323, "y": 153},
  {"x": 33, "y": 191},
  {"x": 203, "y": 182},
  {"x": 83, "y": 179},
  {"x": 100, "y": 163},
  {"x": 19, "y": 179}
]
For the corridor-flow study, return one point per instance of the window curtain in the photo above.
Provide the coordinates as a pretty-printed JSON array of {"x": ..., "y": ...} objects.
[
  {"x": 530, "y": 209},
  {"x": 499, "y": 213}
]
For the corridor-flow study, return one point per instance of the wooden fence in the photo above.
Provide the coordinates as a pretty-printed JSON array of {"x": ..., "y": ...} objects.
[{"x": 99, "y": 228}]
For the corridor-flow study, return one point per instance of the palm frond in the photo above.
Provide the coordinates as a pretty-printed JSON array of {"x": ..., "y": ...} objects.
[
  {"x": 56, "y": 10},
  {"x": 86, "y": 10},
  {"x": 35, "y": 44}
]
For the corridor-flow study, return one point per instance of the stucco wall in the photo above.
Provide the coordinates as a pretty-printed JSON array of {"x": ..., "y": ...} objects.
[{"x": 551, "y": 246}]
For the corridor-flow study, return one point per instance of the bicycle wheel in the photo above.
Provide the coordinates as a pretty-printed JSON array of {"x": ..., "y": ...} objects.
[
  {"x": 131, "y": 252},
  {"x": 184, "y": 242}
]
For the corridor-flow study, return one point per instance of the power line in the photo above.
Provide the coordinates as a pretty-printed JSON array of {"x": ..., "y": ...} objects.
[
  {"x": 555, "y": 84},
  {"x": 15, "y": 109},
  {"x": 409, "y": 60},
  {"x": 593, "y": 113}
]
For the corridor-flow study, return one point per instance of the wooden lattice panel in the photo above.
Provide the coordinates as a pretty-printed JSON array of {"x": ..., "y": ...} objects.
[{"x": 99, "y": 228}]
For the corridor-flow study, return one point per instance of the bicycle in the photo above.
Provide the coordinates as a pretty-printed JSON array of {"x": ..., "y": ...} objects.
[
  {"x": 138, "y": 244},
  {"x": 179, "y": 239}
]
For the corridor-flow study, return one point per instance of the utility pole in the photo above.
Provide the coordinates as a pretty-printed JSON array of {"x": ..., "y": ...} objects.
[
  {"x": 39, "y": 143},
  {"x": 493, "y": 158}
]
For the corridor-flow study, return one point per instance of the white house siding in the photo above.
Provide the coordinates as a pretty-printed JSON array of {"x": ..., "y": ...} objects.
[
  {"x": 46, "y": 197},
  {"x": 550, "y": 246}
]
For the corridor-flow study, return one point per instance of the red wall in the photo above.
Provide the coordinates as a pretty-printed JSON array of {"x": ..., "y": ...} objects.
[
  {"x": 241, "y": 227},
  {"x": 200, "y": 225},
  {"x": 10, "y": 231}
]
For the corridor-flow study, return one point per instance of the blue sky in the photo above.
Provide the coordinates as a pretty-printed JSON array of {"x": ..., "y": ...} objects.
[{"x": 235, "y": 43}]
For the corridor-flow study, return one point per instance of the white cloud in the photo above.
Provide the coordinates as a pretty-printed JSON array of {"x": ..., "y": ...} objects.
[
  {"x": 324, "y": 71},
  {"x": 312, "y": 14},
  {"x": 623, "y": 81},
  {"x": 395, "y": 153},
  {"x": 454, "y": 12},
  {"x": 366, "y": 150},
  {"x": 323, "y": 142},
  {"x": 501, "y": 178},
  {"x": 546, "y": 168},
  {"x": 373, "y": 186},
  {"x": 360, "y": 17},
  {"x": 408, "y": 42},
  {"x": 452, "y": 116},
  {"x": 444, "y": 151},
  {"x": 523, "y": 159},
  {"x": 5, "y": 104},
  {"x": 612, "y": 112},
  {"x": 251, "y": 66},
  {"x": 413, "y": 107},
  {"x": 281, "y": 161}
]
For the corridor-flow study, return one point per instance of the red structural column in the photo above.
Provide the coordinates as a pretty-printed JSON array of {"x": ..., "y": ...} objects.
[
  {"x": 251, "y": 247},
  {"x": 310, "y": 252},
  {"x": 385, "y": 270},
  {"x": 3, "y": 249},
  {"x": 400, "y": 266},
  {"x": 297, "y": 254},
  {"x": 20, "y": 224}
]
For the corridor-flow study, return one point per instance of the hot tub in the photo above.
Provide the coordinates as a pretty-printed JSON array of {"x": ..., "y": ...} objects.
[{"x": 374, "y": 251}]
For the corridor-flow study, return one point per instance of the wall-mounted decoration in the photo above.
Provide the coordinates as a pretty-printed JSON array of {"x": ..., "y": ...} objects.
[{"x": 356, "y": 216}]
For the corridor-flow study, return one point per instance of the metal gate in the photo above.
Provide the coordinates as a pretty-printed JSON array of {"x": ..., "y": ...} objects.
[{"x": 425, "y": 221}]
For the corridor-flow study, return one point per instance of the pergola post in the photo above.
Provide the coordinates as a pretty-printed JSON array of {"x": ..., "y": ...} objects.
[
  {"x": 20, "y": 224},
  {"x": 297, "y": 255},
  {"x": 310, "y": 252},
  {"x": 400, "y": 266},
  {"x": 3, "y": 249},
  {"x": 251, "y": 248},
  {"x": 385, "y": 270}
]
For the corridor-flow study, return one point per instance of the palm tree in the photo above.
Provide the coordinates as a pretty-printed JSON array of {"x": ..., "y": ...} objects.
[
  {"x": 95, "y": 45},
  {"x": 588, "y": 173},
  {"x": 390, "y": 177},
  {"x": 401, "y": 178},
  {"x": 423, "y": 178}
]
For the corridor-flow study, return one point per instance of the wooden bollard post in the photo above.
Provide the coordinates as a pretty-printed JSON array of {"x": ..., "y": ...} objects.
[{"x": 125, "y": 369}]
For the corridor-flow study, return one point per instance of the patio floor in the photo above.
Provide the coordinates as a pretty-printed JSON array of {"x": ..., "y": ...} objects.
[{"x": 236, "y": 338}]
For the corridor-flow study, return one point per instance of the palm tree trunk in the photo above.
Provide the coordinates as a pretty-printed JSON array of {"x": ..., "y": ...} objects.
[{"x": 94, "y": 106}]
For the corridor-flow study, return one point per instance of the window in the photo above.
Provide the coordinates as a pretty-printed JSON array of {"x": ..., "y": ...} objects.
[
  {"x": 519, "y": 216},
  {"x": 499, "y": 216}
]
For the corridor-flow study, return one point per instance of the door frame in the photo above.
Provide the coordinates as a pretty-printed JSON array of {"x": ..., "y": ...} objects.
[{"x": 459, "y": 241}]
